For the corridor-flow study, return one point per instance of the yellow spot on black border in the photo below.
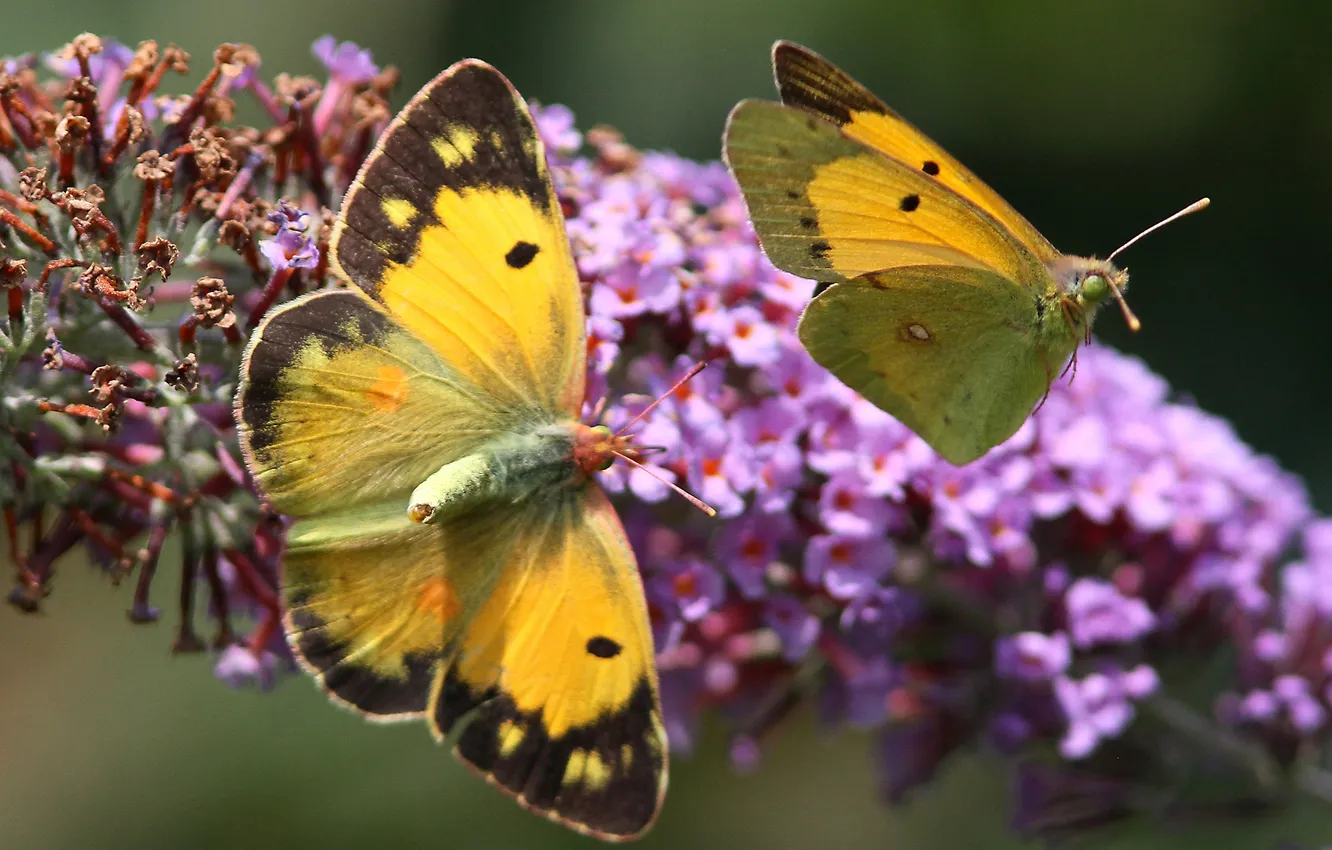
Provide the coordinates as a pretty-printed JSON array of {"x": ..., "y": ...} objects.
[{"x": 399, "y": 211}]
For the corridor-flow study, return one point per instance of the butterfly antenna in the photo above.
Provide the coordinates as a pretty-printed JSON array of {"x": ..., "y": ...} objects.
[
  {"x": 693, "y": 500},
  {"x": 600, "y": 407},
  {"x": 1199, "y": 204},
  {"x": 1132, "y": 320},
  {"x": 698, "y": 367}
]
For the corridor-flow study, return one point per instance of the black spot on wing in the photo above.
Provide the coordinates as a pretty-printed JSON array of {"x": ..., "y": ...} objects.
[
  {"x": 808, "y": 81},
  {"x": 792, "y": 194},
  {"x": 603, "y": 647},
  {"x": 819, "y": 249},
  {"x": 909, "y": 203},
  {"x": 334, "y": 320},
  {"x": 534, "y": 769},
  {"x": 931, "y": 168},
  {"x": 809, "y": 222},
  {"x": 521, "y": 254}
]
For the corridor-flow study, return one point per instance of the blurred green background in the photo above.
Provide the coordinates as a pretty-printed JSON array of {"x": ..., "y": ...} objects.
[{"x": 1094, "y": 119}]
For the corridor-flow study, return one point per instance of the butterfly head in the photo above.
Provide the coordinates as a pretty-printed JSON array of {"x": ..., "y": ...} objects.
[
  {"x": 1084, "y": 283},
  {"x": 596, "y": 447}
]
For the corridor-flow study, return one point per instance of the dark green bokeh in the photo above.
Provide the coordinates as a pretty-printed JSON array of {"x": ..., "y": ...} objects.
[{"x": 1094, "y": 119}]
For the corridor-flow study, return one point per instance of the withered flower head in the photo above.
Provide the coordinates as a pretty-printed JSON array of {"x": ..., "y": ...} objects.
[
  {"x": 32, "y": 184},
  {"x": 81, "y": 47},
  {"x": 134, "y": 124},
  {"x": 145, "y": 59},
  {"x": 158, "y": 256},
  {"x": 212, "y": 153},
  {"x": 81, "y": 90},
  {"x": 234, "y": 235},
  {"x": 153, "y": 166},
  {"x": 71, "y": 132},
  {"x": 297, "y": 90},
  {"x": 234, "y": 59},
  {"x": 369, "y": 107},
  {"x": 176, "y": 59},
  {"x": 108, "y": 381},
  {"x": 184, "y": 374},
  {"x": 53, "y": 356},
  {"x": 212, "y": 303},
  {"x": 12, "y": 272}
]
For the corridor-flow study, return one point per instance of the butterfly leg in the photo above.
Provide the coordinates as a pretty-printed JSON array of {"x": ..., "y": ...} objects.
[{"x": 1049, "y": 379}]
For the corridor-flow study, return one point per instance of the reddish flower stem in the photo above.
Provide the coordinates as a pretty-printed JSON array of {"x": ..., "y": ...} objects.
[
  {"x": 26, "y": 207},
  {"x": 14, "y": 110},
  {"x": 181, "y": 129},
  {"x": 63, "y": 536},
  {"x": 89, "y": 110},
  {"x": 8, "y": 217},
  {"x": 136, "y": 332},
  {"x": 152, "y": 488},
  {"x": 145, "y": 213},
  {"x": 85, "y": 410},
  {"x": 254, "y": 581},
  {"x": 12, "y": 530},
  {"x": 55, "y": 266},
  {"x": 186, "y": 638},
  {"x": 15, "y": 299},
  {"x": 267, "y": 296},
  {"x": 141, "y": 611},
  {"x": 218, "y": 593}
]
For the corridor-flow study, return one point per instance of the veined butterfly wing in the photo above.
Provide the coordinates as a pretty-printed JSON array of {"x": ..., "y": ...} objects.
[
  {"x": 465, "y": 346},
  {"x": 809, "y": 82}
]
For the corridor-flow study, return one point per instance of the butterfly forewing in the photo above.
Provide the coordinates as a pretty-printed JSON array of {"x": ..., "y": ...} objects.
[
  {"x": 809, "y": 82},
  {"x": 454, "y": 225},
  {"x": 829, "y": 208}
]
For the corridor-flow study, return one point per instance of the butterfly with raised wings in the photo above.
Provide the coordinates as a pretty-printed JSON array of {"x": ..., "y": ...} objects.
[{"x": 937, "y": 301}]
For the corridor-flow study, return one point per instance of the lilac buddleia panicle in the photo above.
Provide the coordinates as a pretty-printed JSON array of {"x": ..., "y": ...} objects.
[{"x": 1048, "y": 602}]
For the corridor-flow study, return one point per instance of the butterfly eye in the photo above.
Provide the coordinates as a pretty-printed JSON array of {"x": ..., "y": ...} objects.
[{"x": 1094, "y": 288}]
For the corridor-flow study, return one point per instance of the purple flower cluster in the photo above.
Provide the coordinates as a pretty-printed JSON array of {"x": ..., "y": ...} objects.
[
  {"x": 1057, "y": 601},
  {"x": 1116, "y": 534}
]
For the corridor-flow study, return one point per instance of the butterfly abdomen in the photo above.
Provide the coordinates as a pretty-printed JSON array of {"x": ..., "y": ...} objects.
[{"x": 510, "y": 468}]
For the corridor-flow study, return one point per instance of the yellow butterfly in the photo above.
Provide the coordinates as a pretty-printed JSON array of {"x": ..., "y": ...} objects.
[
  {"x": 939, "y": 302},
  {"x": 452, "y": 557}
]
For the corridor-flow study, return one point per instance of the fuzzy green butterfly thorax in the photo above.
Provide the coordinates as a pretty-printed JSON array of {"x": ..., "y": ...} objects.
[{"x": 935, "y": 299}]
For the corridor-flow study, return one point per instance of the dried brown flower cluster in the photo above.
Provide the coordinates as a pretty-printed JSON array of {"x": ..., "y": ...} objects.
[{"x": 139, "y": 233}]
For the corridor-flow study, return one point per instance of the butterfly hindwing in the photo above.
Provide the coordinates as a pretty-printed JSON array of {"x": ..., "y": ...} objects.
[
  {"x": 809, "y": 82},
  {"x": 911, "y": 341},
  {"x": 454, "y": 226},
  {"x": 554, "y": 683},
  {"x": 375, "y": 602},
  {"x": 828, "y": 207}
]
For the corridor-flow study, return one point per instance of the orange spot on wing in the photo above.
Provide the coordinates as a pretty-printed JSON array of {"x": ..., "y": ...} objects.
[
  {"x": 437, "y": 598},
  {"x": 389, "y": 392}
]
